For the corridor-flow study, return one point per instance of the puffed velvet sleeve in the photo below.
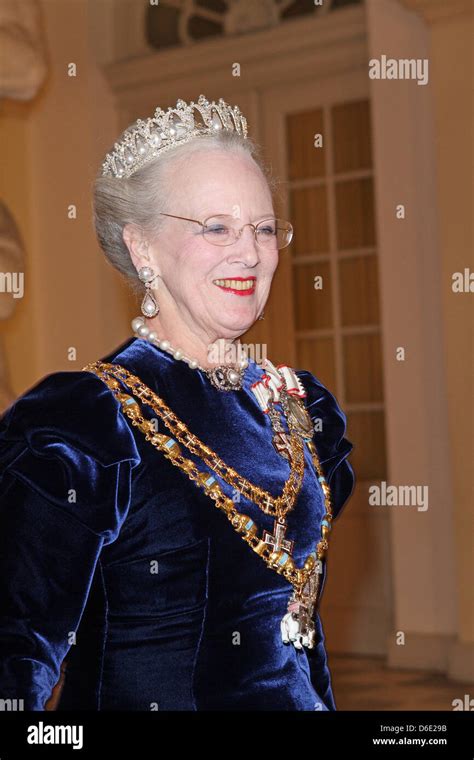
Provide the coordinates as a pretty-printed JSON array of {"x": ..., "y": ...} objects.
[
  {"x": 66, "y": 460},
  {"x": 333, "y": 449},
  {"x": 330, "y": 441}
]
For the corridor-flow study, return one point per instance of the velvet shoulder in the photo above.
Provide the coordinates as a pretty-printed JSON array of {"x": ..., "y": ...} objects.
[
  {"x": 67, "y": 439},
  {"x": 330, "y": 430}
]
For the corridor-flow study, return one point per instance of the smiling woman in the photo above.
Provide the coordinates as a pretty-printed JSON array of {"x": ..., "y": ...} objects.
[
  {"x": 187, "y": 255},
  {"x": 165, "y": 513}
]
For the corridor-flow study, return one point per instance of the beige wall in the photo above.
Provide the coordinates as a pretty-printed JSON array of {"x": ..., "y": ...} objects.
[
  {"x": 451, "y": 27},
  {"x": 423, "y": 145},
  {"x": 452, "y": 56},
  {"x": 16, "y": 333},
  {"x": 72, "y": 296},
  {"x": 416, "y": 414}
]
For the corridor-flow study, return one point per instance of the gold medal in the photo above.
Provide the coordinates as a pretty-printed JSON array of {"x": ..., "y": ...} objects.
[{"x": 298, "y": 418}]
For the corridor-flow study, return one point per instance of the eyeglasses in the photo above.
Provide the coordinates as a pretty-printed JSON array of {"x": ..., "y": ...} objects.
[{"x": 221, "y": 229}]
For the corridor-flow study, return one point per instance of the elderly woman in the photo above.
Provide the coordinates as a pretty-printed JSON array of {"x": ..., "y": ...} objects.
[{"x": 165, "y": 511}]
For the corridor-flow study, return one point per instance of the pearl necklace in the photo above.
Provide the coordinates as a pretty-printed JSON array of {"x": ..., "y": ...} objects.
[{"x": 224, "y": 377}]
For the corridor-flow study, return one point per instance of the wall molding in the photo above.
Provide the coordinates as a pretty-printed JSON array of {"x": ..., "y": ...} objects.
[
  {"x": 435, "y": 11},
  {"x": 266, "y": 57}
]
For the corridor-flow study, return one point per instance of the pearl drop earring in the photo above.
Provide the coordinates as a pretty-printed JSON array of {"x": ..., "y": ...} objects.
[{"x": 149, "y": 305}]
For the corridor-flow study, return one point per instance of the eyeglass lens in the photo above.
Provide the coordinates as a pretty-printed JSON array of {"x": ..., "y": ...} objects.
[{"x": 270, "y": 233}]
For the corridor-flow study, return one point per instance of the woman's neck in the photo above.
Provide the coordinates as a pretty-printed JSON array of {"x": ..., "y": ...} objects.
[{"x": 208, "y": 353}]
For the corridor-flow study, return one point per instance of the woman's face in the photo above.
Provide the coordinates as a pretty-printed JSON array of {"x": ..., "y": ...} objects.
[{"x": 213, "y": 182}]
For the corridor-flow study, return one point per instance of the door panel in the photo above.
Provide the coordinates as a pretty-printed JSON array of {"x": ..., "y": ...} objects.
[{"x": 325, "y": 317}]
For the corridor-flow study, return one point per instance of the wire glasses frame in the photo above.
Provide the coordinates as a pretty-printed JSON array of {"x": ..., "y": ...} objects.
[{"x": 227, "y": 235}]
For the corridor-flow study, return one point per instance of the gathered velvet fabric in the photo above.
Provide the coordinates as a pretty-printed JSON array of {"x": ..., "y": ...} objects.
[{"x": 113, "y": 559}]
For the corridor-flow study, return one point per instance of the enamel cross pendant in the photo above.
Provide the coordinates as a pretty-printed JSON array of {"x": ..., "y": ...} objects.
[{"x": 277, "y": 539}]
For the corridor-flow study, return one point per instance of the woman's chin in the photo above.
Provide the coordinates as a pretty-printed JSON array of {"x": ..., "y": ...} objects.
[
  {"x": 231, "y": 322},
  {"x": 238, "y": 325}
]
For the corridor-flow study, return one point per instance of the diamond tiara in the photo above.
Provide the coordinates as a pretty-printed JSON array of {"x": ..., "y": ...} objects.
[{"x": 145, "y": 140}]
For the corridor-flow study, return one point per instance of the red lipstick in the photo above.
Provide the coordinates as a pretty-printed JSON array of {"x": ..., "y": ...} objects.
[{"x": 232, "y": 285}]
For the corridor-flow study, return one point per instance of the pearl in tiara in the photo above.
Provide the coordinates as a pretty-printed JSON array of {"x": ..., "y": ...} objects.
[{"x": 145, "y": 140}]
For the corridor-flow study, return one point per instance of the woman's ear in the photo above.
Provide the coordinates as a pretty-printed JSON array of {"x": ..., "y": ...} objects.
[{"x": 137, "y": 246}]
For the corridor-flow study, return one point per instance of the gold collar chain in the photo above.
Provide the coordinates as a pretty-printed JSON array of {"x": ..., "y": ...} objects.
[
  {"x": 297, "y": 625},
  {"x": 276, "y": 506}
]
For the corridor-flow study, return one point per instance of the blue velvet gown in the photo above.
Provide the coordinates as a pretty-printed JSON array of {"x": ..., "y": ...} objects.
[{"x": 112, "y": 558}]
